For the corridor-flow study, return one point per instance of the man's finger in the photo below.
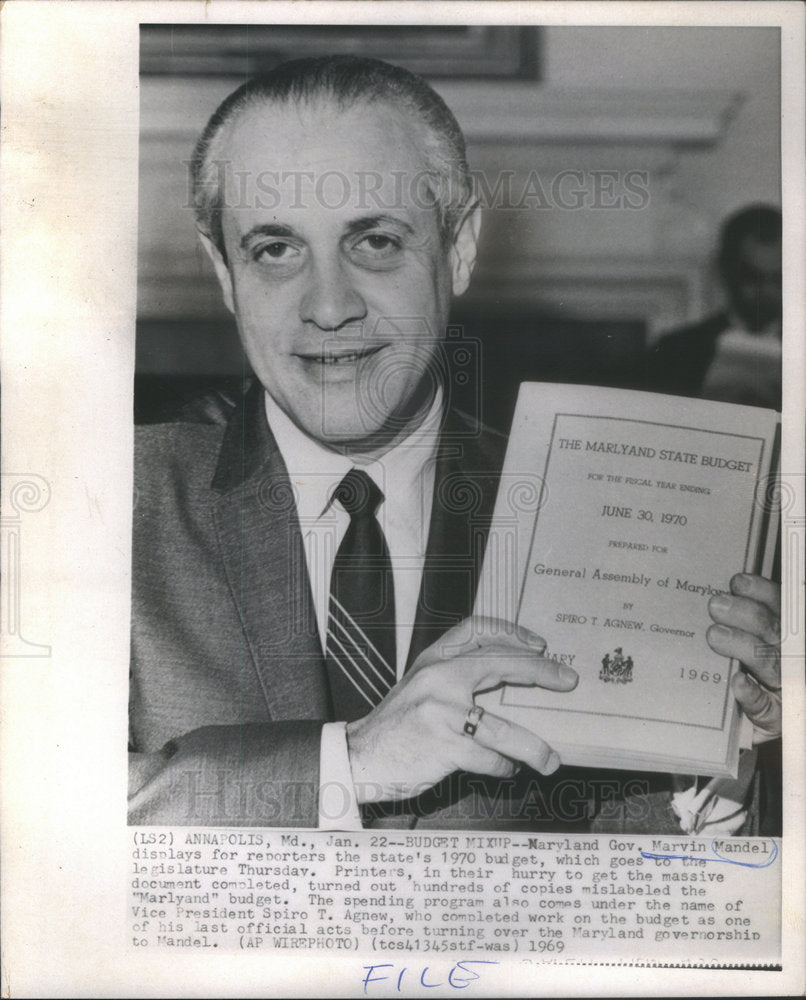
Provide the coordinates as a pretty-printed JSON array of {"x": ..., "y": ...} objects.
[
  {"x": 498, "y": 665},
  {"x": 513, "y": 741},
  {"x": 477, "y": 633},
  {"x": 762, "y": 707},
  {"x": 758, "y": 588},
  {"x": 761, "y": 659},
  {"x": 478, "y": 759},
  {"x": 746, "y": 614}
]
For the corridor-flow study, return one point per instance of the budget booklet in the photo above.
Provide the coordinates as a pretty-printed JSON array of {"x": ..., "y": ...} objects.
[{"x": 619, "y": 514}]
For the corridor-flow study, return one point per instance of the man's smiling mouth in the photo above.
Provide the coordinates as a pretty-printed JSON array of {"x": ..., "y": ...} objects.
[{"x": 340, "y": 357}]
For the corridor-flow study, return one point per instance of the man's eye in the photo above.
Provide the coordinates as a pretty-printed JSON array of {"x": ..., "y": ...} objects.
[
  {"x": 276, "y": 251},
  {"x": 378, "y": 243}
]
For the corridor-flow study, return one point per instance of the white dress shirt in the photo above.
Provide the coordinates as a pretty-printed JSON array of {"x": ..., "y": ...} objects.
[
  {"x": 405, "y": 476},
  {"x": 746, "y": 367}
]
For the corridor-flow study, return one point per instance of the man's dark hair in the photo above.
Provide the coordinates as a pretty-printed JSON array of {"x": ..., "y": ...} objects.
[
  {"x": 346, "y": 80},
  {"x": 760, "y": 222}
]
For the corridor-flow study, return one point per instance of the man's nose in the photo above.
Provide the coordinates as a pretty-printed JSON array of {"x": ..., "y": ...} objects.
[{"x": 332, "y": 300}]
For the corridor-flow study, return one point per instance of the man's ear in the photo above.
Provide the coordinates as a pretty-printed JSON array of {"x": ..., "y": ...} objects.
[
  {"x": 464, "y": 247},
  {"x": 221, "y": 270}
]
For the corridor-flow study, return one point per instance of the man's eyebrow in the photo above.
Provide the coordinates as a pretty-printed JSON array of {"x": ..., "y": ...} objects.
[
  {"x": 368, "y": 222},
  {"x": 266, "y": 229}
]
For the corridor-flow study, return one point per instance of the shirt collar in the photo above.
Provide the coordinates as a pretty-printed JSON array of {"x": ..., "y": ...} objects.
[
  {"x": 771, "y": 331},
  {"x": 315, "y": 471}
]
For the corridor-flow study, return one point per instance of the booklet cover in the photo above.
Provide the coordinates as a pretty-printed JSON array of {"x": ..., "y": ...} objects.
[{"x": 618, "y": 516}]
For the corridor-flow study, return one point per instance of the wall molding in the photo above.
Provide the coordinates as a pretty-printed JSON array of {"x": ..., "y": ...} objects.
[
  {"x": 511, "y": 111},
  {"x": 520, "y": 112}
]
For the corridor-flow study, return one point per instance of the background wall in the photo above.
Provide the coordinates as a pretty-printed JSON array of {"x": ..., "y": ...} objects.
[
  {"x": 744, "y": 165},
  {"x": 573, "y": 280}
]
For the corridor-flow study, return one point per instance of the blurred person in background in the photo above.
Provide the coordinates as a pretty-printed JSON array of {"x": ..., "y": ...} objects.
[{"x": 735, "y": 354}]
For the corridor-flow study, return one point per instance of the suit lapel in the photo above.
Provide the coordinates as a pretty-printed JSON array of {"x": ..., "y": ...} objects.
[
  {"x": 264, "y": 559},
  {"x": 468, "y": 465}
]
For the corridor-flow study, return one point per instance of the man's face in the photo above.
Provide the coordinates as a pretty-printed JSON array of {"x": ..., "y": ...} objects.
[
  {"x": 754, "y": 283},
  {"x": 336, "y": 271}
]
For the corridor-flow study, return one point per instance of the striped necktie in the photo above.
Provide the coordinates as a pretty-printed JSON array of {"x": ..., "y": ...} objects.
[{"x": 360, "y": 647}]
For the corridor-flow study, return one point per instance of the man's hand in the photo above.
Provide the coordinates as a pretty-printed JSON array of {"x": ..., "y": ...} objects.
[
  {"x": 748, "y": 627},
  {"x": 415, "y": 737}
]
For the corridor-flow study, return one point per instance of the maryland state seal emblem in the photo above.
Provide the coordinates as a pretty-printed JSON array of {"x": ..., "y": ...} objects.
[{"x": 616, "y": 668}]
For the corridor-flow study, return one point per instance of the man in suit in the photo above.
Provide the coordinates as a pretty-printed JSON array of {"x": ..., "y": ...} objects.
[
  {"x": 333, "y": 198},
  {"x": 734, "y": 355}
]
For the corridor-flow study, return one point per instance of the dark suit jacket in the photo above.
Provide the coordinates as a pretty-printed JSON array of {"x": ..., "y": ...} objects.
[
  {"x": 228, "y": 684},
  {"x": 679, "y": 362}
]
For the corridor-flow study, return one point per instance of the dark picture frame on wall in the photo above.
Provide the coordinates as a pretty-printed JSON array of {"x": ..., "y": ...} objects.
[{"x": 435, "y": 51}]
